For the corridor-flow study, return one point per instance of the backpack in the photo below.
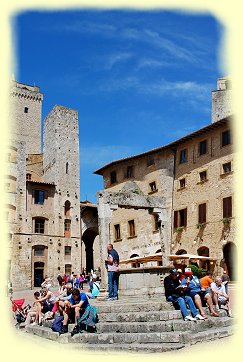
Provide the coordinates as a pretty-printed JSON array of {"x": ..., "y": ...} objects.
[
  {"x": 88, "y": 320},
  {"x": 57, "y": 324}
]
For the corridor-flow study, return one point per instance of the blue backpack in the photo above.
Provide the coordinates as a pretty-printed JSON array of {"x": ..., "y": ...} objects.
[
  {"x": 57, "y": 324},
  {"x": 88, "y": 320}
]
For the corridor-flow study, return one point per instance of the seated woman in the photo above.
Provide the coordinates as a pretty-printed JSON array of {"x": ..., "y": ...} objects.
[
  {"x": 32, "y": 313},
  {"x": 197, "y": 293},
  {"x": 94, "y": 288},
  {"x": 45, "y": 303}
]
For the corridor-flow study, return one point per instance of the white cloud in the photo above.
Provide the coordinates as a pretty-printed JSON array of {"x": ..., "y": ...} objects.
[{"x": 112, "y": 59}]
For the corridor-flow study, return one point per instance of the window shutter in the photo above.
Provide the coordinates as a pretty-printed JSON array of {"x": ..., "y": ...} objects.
[
  {"x": 185, "y": 216},
  {"x": 175, "y": 219},
  {"x": 202, "y": 213},
  {"x": 227, "y": 207}
]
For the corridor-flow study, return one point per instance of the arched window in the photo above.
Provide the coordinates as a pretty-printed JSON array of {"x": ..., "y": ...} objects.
[
  {"x": 135, "y": 264},
  {"x": 181, "y": 252},
  {"x": 159, "y": 263},
  {"x": 67, "y": 206},
  {"x": 67, "y": 168},
  {"x": 203, "y": 251}
]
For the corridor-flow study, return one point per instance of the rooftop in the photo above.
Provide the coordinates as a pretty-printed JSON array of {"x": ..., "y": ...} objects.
[{"x": 171, "y": 145}]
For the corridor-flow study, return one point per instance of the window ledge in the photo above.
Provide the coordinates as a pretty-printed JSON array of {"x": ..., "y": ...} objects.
[
  {"x": 181, "y": 188},
  {"x": 155, "y": 231},
  {"x": 152, "y": 192},
  {"x": 117, "y": 240},
  {"x": 131, "y": 237},
  {"x": 202, "y": 182},
  {"x": 222, "y": 175}
]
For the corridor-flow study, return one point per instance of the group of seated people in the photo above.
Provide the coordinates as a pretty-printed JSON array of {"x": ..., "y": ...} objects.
[
  {"x": 71, "y": 303},
  {"x": 186, "y": 290}
]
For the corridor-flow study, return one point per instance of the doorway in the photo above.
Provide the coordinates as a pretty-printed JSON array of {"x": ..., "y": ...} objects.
[
  {"x": 38, "y": 274},
  {"x": 229, "y": 253}
]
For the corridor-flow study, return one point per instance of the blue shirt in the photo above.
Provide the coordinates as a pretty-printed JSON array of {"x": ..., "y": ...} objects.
[
  {"x": 194, "y": 285},
  {"x": 82, "y": 297}
]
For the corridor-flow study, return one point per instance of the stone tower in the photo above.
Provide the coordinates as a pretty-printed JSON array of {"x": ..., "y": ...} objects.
[
  {"x": 25, "y": 116},
  {"x": 221, "y": 100},
  {"x": 61, "y": 166}
]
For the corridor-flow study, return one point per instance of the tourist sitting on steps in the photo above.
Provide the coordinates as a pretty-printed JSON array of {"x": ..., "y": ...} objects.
[
  {"x": 206, "y": 281},
  {"x": 174, "y": 293},
  {"x": 44, "y": 304},
  {"x": 73, "y": 310},
  {"x": 94, "y": 288},
  {"x": 197, "y": 293},
  {"x": 220, "y": 297}
]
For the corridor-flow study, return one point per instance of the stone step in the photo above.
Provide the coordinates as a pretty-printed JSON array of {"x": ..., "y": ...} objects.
[
  {"x": 212, "y": 334},
  {"x": 132, "y": 347},
  {"x": 109, "y": 338},
  {"x": 163, "y": 326},
  {"x": 156, "y": 326},
  {"x": 130, "y": 306}
]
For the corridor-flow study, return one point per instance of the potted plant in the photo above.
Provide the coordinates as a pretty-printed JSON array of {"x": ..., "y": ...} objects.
[
  {"x": 179, "y": 229},
  {"x": 201, "y": 226},
  {"x": 226, "y": 221}
]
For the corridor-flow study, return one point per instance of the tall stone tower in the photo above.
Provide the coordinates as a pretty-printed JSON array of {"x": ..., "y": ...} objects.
[
  {"x": 221, "y": 100},
  {"x": 61, "y": 166},
  {"x": 26, "y": 110}
]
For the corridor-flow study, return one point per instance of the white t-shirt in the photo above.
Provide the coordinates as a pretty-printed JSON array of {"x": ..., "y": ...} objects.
[{"x": 219, "y": 288}]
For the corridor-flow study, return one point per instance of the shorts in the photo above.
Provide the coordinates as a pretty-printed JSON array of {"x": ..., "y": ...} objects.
[
  {"x": 202, "y": 295},
  {"x": 47, "y": 307},
  {"x": 71, "y": 314}
]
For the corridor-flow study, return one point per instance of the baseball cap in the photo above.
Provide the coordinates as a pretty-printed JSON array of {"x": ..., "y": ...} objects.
[
  {"x": 173, "y": 271},
  {"x": 188, "y": 271}
]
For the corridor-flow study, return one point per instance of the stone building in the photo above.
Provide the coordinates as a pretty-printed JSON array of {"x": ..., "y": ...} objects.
[
  {"x": 174, "y": 199},
  {"x": 43, "y": 210},
  {"x": 90, "y": 251}
]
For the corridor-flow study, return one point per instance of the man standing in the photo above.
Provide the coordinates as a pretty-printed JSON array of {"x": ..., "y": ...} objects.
[
  {"x": 174, "y": 293},
  {"x": 225, "y": 279},
  {"x": 111, "y": 264}
]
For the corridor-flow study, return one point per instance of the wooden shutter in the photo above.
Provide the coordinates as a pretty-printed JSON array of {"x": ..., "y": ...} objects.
[
  {"x": 185, "y": 217},
  {"x": 175, "y": 219},
  {"x": 202, "y": 213},
  {"x": 227, "y": 207}
]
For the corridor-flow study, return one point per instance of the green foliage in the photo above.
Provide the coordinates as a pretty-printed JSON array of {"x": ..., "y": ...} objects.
[
  {"x": 201, "y": 226},
  {"x": 179, "y": 229},
  {"x": 199, "y": 272}
]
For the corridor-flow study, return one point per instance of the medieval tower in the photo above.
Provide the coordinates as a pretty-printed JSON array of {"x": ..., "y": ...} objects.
[{"x": 43, "y": 210}]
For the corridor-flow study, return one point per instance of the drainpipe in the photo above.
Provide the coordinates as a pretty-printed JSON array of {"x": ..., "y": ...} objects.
[{"x": 174, "y": 149}]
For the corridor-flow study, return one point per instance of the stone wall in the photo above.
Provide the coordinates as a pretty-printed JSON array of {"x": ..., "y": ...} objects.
[
  {"x": 222, "y": 100},
  {"x": 25, "y": 115},
  {"x": 217, "y": 186}
]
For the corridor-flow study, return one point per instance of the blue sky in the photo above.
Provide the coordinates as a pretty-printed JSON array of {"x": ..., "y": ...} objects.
[{"x": 139, "y": 79}]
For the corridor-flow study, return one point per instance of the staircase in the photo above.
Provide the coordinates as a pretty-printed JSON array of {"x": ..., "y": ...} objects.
[{"x": 141, "y": 326}]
